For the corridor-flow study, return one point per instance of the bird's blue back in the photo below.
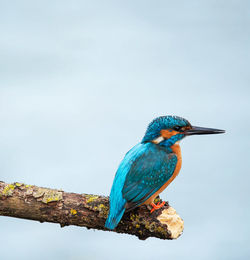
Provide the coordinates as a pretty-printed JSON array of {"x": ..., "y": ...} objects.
[{"x": 143, "y": 171}]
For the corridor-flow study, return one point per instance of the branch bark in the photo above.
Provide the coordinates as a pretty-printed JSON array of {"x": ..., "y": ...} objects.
[{"x": 49, "y": 205}]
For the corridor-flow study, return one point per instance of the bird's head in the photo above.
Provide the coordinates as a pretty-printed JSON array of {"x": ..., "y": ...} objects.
[{"x": 167, "y": 130}]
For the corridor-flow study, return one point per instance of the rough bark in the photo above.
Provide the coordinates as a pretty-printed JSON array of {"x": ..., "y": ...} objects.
[{"x": 49, "y": 205}]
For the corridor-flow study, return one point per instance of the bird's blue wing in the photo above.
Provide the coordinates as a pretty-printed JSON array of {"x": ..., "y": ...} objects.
[
  {"x": 149, "y": 172},
  {"x": 143, "y": 171},
  {"x": 116, "y": 201}
]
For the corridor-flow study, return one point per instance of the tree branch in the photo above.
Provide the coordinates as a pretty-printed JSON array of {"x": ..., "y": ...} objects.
[{"x": 50, "y": 205}]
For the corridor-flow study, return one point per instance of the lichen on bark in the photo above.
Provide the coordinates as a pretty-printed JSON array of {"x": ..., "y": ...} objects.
[{"x": 56, "y": 206}]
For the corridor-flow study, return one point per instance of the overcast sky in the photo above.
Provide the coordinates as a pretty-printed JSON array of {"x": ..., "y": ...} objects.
[{"x": 79, "y": 83}]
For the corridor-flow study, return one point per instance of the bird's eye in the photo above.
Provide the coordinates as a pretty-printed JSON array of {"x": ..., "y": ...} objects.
[{"x": 177, "y": 128}]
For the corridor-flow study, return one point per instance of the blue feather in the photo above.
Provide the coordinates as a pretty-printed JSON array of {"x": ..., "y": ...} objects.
[
  {"x": 116, "y": 200},
  {"x": 163, "y": 122},
  {"x": 148, "y": 174}
]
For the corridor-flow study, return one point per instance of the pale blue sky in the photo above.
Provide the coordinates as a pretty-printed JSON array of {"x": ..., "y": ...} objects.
[{"x": 79, "y": 83}]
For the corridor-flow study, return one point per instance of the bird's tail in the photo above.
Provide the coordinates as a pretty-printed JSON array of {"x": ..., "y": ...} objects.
[{"x": 113, "y": 220}]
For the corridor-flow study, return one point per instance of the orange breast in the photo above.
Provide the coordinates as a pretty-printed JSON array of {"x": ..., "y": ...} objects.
[{"x": 177, "y": 150}]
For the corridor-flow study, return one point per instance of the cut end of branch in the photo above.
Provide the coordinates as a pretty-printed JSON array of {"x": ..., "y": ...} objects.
[{"x": 173, "y": 221}]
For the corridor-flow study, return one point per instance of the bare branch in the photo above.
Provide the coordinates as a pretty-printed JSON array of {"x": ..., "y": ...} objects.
[{"x": 50, "y": 205}]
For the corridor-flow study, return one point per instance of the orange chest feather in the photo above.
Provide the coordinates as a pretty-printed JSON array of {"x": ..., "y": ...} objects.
[{"x": 177, "y": 150}]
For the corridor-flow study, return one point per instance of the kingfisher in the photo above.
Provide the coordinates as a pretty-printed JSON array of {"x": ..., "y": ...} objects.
[{"x": 150, "y": 166}]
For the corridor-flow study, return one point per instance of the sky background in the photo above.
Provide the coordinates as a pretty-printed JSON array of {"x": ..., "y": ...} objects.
[{"x": 79, "y": 83}]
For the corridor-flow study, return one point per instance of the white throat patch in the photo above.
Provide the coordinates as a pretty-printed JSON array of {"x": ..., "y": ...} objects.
[{"x": 158, "y": 140}]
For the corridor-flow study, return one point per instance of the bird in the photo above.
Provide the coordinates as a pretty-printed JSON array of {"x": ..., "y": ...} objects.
[{"x": 150, "y": 166}]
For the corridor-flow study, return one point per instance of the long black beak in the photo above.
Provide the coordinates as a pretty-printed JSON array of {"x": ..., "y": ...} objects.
[{"x": 196, "y": 130}]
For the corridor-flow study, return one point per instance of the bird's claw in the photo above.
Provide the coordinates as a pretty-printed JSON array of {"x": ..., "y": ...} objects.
[{"x": 158, "y": 206}]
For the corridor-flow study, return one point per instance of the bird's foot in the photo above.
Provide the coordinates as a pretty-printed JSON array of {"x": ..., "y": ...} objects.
[{"x": 158, "y": 206}]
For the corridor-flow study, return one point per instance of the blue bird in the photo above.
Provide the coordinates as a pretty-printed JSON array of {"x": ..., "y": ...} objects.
[{"x": 150, "y": 166}]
